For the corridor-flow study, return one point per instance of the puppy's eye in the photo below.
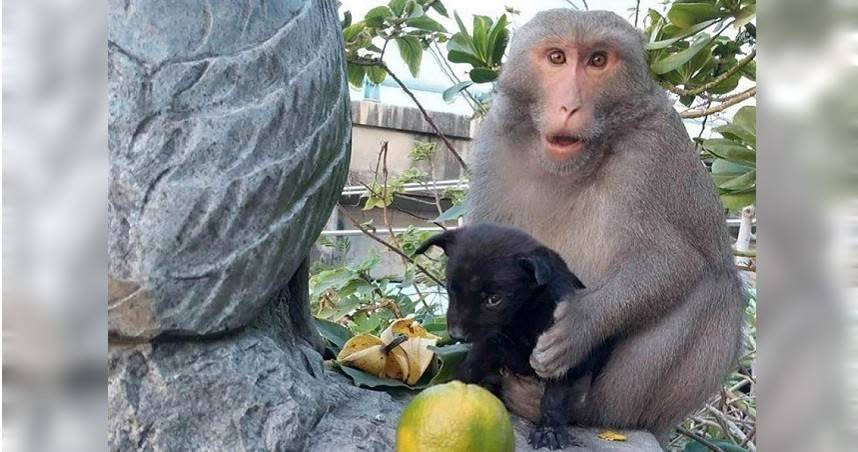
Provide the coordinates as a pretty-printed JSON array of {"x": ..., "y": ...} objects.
[
  {"x": 598, "y": 59},
  {"x": 556, "y": 56},
  {"x": 493, "y": 300}
]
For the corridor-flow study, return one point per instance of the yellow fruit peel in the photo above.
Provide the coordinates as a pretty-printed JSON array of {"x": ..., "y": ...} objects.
[
  {"x": 406, "y": 362},
  {"x": 610, "y": 435}
]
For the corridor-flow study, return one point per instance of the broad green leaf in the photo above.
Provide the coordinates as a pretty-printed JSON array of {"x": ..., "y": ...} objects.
[
  {"x": 675, "y": 60},
  {"x": 355, "y": 74},
  {"x": 330, "y": 279},
  {"x": 723, "y": 170},
  {"x": 744, "y": 182},
  {"x": 376, "y": 74},
  {"x": 425, "y": 23},
  {"x": 463, "y": 30},
  {"x": 453, "y": 213},
  {"x": 684, "y": 34},
  {"x": 450, "y": 356},
  {"x": 457, "y": 56},
  {"x": 413, "y": 10},
  {"x": 461, "y": 43},
  {"x": 498, "y": 39},
  {"x": 375, "y": 17},
  {"x": 685, "y": 15},
  {"x": 727, "y": 85},
  {"x": 411, "y": 52},
  {"x": 736, "y": 132},
  {"x": 730, "y": 150},
  {"x": 352, "y": 31},
  {"x": 750, "y": 70},
  {"x": 439, "y": 7},
  {"x": 481, "y": 36},
  {"x": 746, "y": 118},
  {"x": 397, "y": 6},
  {"x": 334, "y": 333},
  {"x": 483, "y": 75},
  {"x": 451, "y": 92}
]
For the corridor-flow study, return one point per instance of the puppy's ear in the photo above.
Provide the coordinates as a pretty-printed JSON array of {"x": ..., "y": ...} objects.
[
  {"x": 537, "y": 264},
  {"x": 443, "y": 240}
]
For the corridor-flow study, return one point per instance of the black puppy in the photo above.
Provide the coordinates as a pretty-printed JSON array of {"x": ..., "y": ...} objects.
[{"x": 503, "y": 287}]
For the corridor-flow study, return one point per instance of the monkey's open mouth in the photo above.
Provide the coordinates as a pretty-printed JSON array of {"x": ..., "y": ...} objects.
[
  {"x": 565, "y": 140},
  {"x": 562, "y": 147}
]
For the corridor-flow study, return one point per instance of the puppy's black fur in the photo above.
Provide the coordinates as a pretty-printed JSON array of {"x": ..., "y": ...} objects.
[{"x": 503, "y": 287}]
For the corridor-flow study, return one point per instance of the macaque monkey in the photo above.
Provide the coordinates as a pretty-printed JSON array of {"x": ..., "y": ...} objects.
[
  {"x": 583, "y": 150},
  {"x": 504, "y": 287}
]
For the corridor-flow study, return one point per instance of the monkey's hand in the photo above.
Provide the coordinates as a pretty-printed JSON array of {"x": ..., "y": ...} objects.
[{"x": 565, "y": 344}]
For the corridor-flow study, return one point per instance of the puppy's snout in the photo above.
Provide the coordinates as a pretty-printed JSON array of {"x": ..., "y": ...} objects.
[{"x": 457, "y": 333}]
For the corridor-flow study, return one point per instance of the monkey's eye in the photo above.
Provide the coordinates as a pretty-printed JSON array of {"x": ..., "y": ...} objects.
[
  {"x": 598, "y": 59},
  {"x": 556, "y": 56},
  {"x": 493, "y": 300}
]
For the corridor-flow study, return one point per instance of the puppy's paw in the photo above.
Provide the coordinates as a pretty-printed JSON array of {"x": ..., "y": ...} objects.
[{"x": 551, "y": 437}]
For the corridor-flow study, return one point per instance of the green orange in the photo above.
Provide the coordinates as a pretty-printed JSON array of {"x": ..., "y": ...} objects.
[{"x": 455, "y": 417}]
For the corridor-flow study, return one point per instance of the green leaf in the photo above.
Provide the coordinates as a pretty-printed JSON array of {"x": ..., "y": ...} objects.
[
  {"x": 675, "y": 60},
  {"x": 456, "y": 56},
  {"x": 742, "y": 183},
  {"x": 361, "y": 378},
  {"x": 450, "y": 356},
  {"x": 684, "y": 34},
  {"x": 375, "y": 17},
  {"x": 451, "y": 92},
  {"x": 750, "y": 70},
  {"x": 453, "y": 213},
  {"x": 352, "y": 31},
  {"x": 397, "y": 6},
  {"x": 425, "y": 23},
  {"x": 498, "y": 38},
  {"x": 413, "y": 10},
  {"x": 330, "y": 279},
  {"x": 334, "y": 333},
  {"x": 723, "y": 170},
  {"x": 730, "y": 150},
  {"x": 746, "y": 118},
  {"x": 355, "y": 74},
  {"x": 726, "y": 446},
  {"x": 483, "y": 75},
  {"x": 481, "y": 36},
  {"x": 685, "y": 15},
  {"x": 347, "y": 19},
  {"x": 439, "y": 7},
  {"x": 376, "y": 74},
  {"x": 737, "y": 133},
  {"x": 737, "y": 201},
  {"x": 411, "y": 52}
]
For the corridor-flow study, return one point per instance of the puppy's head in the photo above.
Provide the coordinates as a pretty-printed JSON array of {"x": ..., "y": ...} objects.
[{"x": 492, "y": 273}]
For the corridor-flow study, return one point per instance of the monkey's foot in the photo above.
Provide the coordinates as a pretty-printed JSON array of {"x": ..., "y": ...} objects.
[{"x": 552, "y": 437}]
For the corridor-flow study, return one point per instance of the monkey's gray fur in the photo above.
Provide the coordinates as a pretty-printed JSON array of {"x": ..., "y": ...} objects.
[{"x": 636, "y": 215}]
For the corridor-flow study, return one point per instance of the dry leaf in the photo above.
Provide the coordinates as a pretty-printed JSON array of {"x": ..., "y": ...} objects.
[
  {"x": 610, "y": 435},
  {"x": 406, "y": 362}
]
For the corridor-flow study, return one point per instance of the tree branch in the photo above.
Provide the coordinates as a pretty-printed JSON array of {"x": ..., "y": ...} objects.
[
  {"x": 387, "y": 245},
  {"x": 715, "y": 82},
  {"x": 727, "y": 102}
]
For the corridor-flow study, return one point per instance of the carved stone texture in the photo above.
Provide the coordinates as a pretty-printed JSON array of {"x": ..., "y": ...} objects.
[{"x": 229, "y": 143}]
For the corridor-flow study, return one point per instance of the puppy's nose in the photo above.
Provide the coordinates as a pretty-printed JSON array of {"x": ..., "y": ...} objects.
[{"x": 457, "y": 333}]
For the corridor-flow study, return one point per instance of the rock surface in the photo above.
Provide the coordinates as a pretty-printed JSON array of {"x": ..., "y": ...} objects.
[{"x": 229, "y": 143}]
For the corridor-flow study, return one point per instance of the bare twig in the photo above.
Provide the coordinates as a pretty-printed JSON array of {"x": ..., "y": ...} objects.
[
  {"x": 637, "y": 12},
  {"x": 387, "y": 245},
  {"x": 699, "y": 439},
  {"x": 727, "y": 102},
  {"x": 715, "y": 82}
]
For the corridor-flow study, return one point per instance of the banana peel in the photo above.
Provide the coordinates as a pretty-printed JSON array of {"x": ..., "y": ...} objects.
[{"x": 402, "y": 352}]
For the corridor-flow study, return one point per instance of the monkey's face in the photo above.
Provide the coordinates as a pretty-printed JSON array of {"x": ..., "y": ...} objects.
[{"x": 569, "y": 78}]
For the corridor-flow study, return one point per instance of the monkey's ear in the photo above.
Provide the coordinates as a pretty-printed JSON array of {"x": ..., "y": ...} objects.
[
  {"x": 442, "y": 240},
  {"x": 537, "y": 265}
]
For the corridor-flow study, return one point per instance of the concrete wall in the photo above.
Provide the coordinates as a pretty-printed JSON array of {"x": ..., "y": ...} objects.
[{"x": 402, "y": 128}]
